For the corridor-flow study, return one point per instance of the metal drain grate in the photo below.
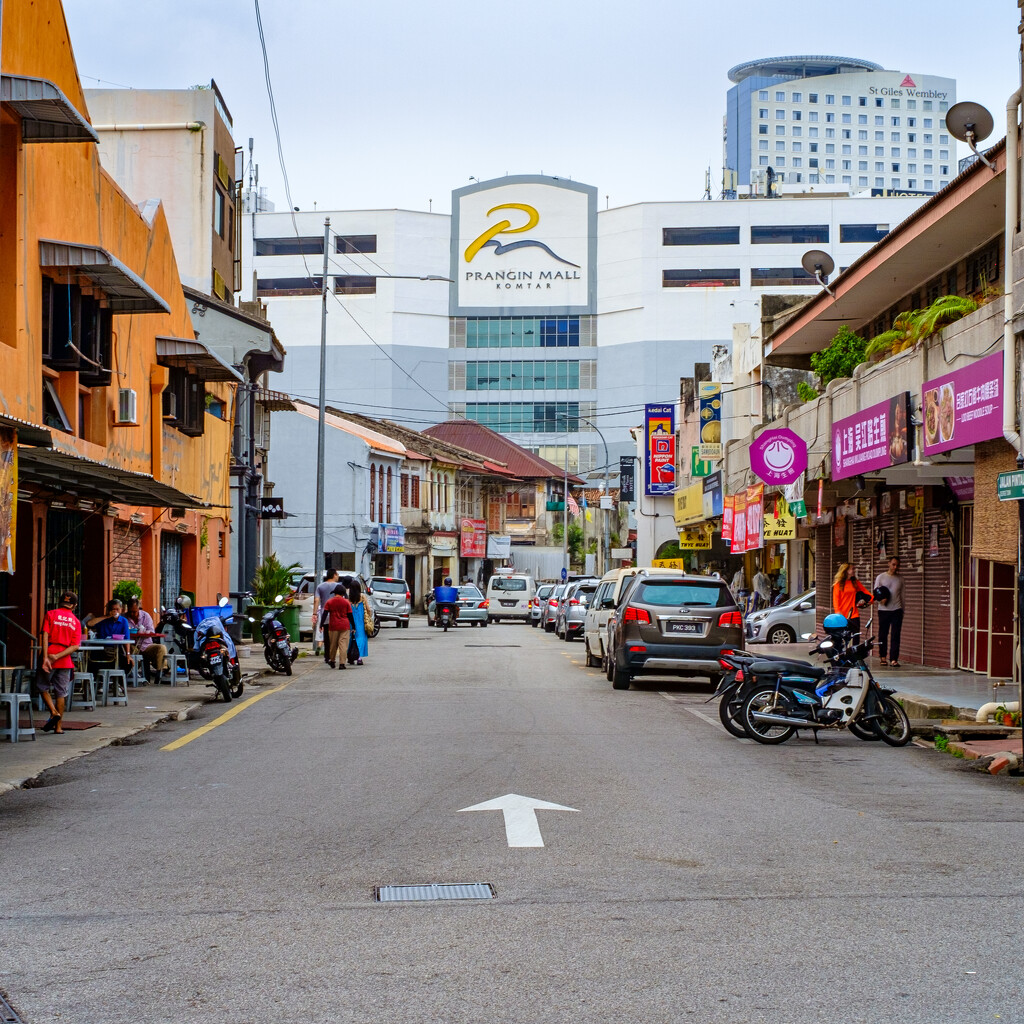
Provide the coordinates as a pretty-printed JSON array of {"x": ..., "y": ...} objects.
[
  {"x": 452, "y": 891},
  {"x": 7, "y": 1014}
]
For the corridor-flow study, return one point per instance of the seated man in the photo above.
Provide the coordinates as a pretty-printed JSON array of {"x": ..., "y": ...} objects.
[
  {"x": 112, "y": 625},
  {"x": 154, "y": 655}
]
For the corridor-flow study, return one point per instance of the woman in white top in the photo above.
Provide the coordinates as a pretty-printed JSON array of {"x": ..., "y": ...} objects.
[{"x": 890, "y": 613}]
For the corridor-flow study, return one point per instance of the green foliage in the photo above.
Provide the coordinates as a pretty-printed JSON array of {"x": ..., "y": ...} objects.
[
  {"x": 945, "y": 310},
  {"x": 806, "y": 392},
  {"x": 840, "y": 357},
  {"x": 575, "y": 542},
  {"x": 941, "y": 741},
  {"x": 272, "y": 578},
  {"x": 557, "y": 533},
  {"x": 911, "y": 327},
  {"x": 126, "y": 589}
]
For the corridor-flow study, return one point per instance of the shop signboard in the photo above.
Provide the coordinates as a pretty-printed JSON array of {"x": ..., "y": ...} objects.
[
  {"x": 391, "y": 539},
  {"x": 963, "y": 407},
  {"x": 738, "y": 544},
  {"x": 712, "y": 487},
  {"x": 778, "y": 456},
  {"x": 709, "y": 395},
  {"x": 669, "y": 563},
  {"x": 728, "y": 508},
  {"x": 962, "y": 487},
  {"x": 473, "y": 538},
  {"x": 627, "y": 478},
  {"x": 689, "y": 505},
  {"x": 698, "y": 466},
  {"x": 874, "y": 438},
  {"x": 8, "y": 497},
  {"x": 659, "y": 450},
  {"x": 755, "y": 517},
  {"x": 499, "y": 546},
  {"x": 696, "y": 538},
  {"x": 779, "y": 522}
]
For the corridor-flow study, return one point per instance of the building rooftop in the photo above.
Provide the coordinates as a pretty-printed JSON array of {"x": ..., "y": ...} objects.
[{"x": 800, "y": 67}]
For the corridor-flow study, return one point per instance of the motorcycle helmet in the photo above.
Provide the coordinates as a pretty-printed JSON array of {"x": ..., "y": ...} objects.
[
  {"x": 862, "y": 599},
  {"x": 881, "y": 593},
  {"x": 835, "y": 624},
  {"x": 447, "y": 581},
  {"x": 184, "y": 602}
]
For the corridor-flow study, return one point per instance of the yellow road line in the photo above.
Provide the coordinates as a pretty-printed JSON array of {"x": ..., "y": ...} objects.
[{"x": 220, "y": 720}]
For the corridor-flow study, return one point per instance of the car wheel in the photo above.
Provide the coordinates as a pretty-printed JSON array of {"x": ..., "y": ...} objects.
[
  {"x": 620, "y": 678},
  {"x": 592, "y": 662},
  {"x": 484, "y": 625},
  {"x": 781, "y": 635},
  {"x": 405, "y": 624},
  {"x": 608, "y": 668}
]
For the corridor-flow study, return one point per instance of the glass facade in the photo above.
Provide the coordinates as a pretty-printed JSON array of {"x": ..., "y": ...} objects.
[
  {"x": 523, "y": 332},
  {"x": 526, "y": 417},
  {"x": 522, "y": 375}
]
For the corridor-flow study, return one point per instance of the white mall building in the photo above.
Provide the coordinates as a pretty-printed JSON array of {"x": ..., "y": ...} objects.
[
  {"x": 828, "y": 123},
  {"x": 531, "y": 310}
]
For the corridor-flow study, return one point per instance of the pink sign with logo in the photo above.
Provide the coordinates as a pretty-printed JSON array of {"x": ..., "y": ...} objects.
[
  {"x": 874, "y": 438},
  {"x": 778, "y": 456},
  {"x": 963, "y": 407}
]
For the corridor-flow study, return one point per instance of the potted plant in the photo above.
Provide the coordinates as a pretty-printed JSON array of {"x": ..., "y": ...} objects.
[
  {"x": 272, "y": 586},
  {"x": 126, "y": 589}
]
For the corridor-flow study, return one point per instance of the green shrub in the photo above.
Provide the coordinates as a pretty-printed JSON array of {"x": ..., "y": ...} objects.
[{"x": 126, "y": 589}]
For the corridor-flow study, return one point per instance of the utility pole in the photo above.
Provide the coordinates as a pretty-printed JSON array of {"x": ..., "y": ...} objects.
[
  {"x": 565, "y": 514},
  {"x": 318, "y": 549}
]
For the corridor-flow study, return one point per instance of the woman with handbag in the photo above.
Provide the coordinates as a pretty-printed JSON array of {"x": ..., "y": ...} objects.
[{"x": 359, "y": 646}]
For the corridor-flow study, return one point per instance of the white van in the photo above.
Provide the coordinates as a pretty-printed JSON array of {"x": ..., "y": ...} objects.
[
  {"x": 510, "y": 595},
  {"x": 602, "y": 606}
]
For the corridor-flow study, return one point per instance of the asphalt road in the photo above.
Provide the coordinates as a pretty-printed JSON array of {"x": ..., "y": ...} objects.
[{"x": 699, "y": 878}]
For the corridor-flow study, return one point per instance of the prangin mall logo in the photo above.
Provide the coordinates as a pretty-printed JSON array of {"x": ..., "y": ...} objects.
[{"x": 489, "y": 238}]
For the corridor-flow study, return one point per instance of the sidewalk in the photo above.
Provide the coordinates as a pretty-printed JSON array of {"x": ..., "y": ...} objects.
[{"x": 147, "y": 706}]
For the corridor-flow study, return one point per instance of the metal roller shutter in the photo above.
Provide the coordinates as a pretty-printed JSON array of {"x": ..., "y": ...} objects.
[{"x": 938, "y": 590}]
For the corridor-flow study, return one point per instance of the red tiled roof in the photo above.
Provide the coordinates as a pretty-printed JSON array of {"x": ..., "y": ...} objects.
[{"x": 492, "y": 445}]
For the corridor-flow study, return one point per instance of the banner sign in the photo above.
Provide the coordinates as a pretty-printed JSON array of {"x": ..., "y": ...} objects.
[
  {"x": 696, "y": 538},
  {"x": 627, "y": 478},
  {"x": 874, "y": 438},
  {"x": 391, "y": 539},
  {"x": 669, "y": 563},
  {"x": 710, "y": 401},
  {"x": 963, "y": 407},
  {"x": 271, "y": 508},
  {"x": 499, "y": 546},
  {"x": 8, "y": 498},
  {"x": 728, "y": 506},
  {"x": 698, "y": 466},
  {"x": 755, "y": 517},
  {"x": 738, "y": 543},
  {"x": 713, "y": 495},
  {"x": 659, "y": 450},
  {"x": 962, "y": 487},
  {"x": 473, "y": 538},
  {"x": 689, "y": 505},
  {"x": 778, "y": 456},
  {"x": 779, "y": 522}
]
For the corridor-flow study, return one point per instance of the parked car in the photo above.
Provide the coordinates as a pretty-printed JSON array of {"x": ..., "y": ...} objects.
[
  {"x": 549, "y": 610},
  {"x": 602, "y": 607},
  {"x": 783, "y": 624},
  {"x": 674, "y": 625},
  {"x": 391, "y": 599},
  {"x": 510, "y": 594},
  {"x": 572, "y": 609},
  {"x": 472, "y": 607},
  {"x": 539, "y": 601}
]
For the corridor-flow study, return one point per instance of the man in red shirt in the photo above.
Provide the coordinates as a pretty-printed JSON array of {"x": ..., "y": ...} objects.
[
  {"x": 62, "y": 635},
  {"x": 338, "y": 614}
]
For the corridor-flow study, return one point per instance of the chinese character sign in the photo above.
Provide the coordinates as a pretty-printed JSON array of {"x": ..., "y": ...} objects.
[
  {"x": 778, "y": 456},
  {"x": 660, "y": 450},
  {"x": 874, "y": 438},
  {"x": 963, "y": 407}
]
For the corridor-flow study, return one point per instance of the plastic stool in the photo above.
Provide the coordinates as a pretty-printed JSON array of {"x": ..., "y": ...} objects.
[
  {"x": 11, "y": 704},
  {"x": 137, "y": 672},
  {"x": 114, "y": 686},
  {"x": 175, "y": 662},
  {"x": 83, "y": 686}
]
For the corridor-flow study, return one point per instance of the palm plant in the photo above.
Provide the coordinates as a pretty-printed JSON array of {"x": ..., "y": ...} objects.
[
  {"x": 945, "y": 310},
  {"x": 271, "y": 579}
]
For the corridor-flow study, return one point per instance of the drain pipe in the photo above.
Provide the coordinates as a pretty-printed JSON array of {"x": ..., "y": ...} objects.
[
  {"x": 990, "y": 709},
  {"x": 1010, "y": 431},
  {"x": 176, "y": 126}
]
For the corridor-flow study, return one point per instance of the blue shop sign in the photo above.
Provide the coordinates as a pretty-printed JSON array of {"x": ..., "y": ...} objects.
[{"x": 391, "y": 539}]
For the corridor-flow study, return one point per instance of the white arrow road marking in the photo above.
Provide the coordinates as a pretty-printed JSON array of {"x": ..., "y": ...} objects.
[{"x": 521, "y": 827}]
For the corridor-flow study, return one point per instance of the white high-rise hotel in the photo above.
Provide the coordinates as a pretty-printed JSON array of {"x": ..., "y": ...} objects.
[{"x": 837, "y": 124}]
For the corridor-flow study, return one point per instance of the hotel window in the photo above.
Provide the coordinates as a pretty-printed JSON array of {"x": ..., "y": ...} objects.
[
  {"x": 943, "y": 140},
  {"x": 812, "y": 133},
  {"x": 879, "y": 182},
  {"x": 813, "y": 178},
  {"x": 830, "y": 165},
  {"x": 911, "y": 122},
  {"x": 862, "y": 180},
  {"x": 762, "y": 129},
  {"x": 762, "y": 94},
  {"x": 797, "y": 177},
  {"x": 928, "y": 168},
  {"x": 911, "y": 104},
  {"x": 847, "y": 165},
  {"x": 830, "y": 147},
  {"x": 862, "y": 150},
  {"x": 928, "y": 154},
  {"x": 847, "y": 150},
  {"x": 862, "y": 101},
  {"x": 762, "y": 161},
  {"x": 830, "y": 118},
  {"x": 862, "y": 165},
  {"x": 763, "y": 113},
  {"x": 830, "y": 179},
  {"x": 798, "y": 147},
  {"x": 780, "y": 146},
  {"x": 911, "y": 168},
  {"x": 798, "y": 97},
  {"x": 780, "y": 114},
  {"x": 788, "y": 234},
  {"x": 288, "y": 246},
  {"x": 716, "y": 278},
  {"x": 798, "y": 161},
  {"x": 943, "y": 105},
  {"x": 847, "y": 119},
  {"x": 911, "y": 183},
  {"x": 812, "y": 97},
  {"x": 895, "y": 151},
  {"x": 829, "y": 98},
  {"x": 780, "y": 129},
  {"x": 911, "y": 136},
  {"x": 895, "y": 168},
  {"x": 895, "y": 121},
  {"x": 879, "y": 136},
  {"x": 928, "y": 183},
  {"x": 879, "y": 102},
  {"x": 927, "y": 137},
  {"x": 879, "y": 121},
  {"x": 895, "y": 183},
  {"x": 351, "y": 284},
  {"x": 870, "y": 233},
  {"x": 812, "y": 162},
  {"x": 943, "y": 170},
  {"x": 928, "y": 122},
  {"x": 797, "y": 131},
  {"x": 862, "y": 119},
  {"x": 911, "y": 152},
  {"x": 812, "y": 115},
  {"x": 813, "y": 147},
  {"x": 780, "y": 162},
  {"x": 763, "y": 144},
  {"x": 879, "y": 165},
  {"x": 847, "y": 180},
  {"x": 770, "y": 277},
  {"x": 354, "y": 243},
  {"x": 780, "y": 97},
  {"x": 797, "y": 115},
  {"x": 879, "y": 150}
]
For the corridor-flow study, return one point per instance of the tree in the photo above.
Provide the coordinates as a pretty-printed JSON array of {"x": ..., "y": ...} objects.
[{"x": 843, "y": 354}]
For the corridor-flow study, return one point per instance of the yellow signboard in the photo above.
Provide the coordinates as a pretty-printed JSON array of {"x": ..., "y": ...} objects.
[
  {"x": 779, "y": 522},
  {"x": 696, "y": 538},
  {"x": 689, "y": 505},
  {"x": 669, "y": 563}
]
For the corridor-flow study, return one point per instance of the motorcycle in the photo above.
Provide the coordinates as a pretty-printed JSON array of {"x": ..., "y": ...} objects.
[
  {"x": 445, "y": 614},
  {"x": 277, "y": 647},
  {"x": 846, "y": 695}
]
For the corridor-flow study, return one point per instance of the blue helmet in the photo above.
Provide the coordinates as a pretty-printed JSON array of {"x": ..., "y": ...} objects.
[{"x": 835, "y": 621}]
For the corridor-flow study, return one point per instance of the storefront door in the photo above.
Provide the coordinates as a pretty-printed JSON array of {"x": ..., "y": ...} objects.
[{"x": 170, "y": 569}]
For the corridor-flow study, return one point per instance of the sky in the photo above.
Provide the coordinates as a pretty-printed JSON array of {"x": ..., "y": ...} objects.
[{"x": 393, "y": 103}]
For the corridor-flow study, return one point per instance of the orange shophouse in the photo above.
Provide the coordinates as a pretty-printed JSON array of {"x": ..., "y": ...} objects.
[{"x": 115, "y": 421}]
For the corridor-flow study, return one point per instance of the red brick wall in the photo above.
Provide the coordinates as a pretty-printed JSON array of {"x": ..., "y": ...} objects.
[{"x": 126, "y": 553}]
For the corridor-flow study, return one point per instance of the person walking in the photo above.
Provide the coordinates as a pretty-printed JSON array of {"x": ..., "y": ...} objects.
[
  {"x": 321, "y": 595},
  {"x": 338, "y": 615},
  {"x": 848, "y": 594},
  {"x": 359, "y": 646},
  {"x": 888, "y": 592},
  {"x": 62, "y": 636}
]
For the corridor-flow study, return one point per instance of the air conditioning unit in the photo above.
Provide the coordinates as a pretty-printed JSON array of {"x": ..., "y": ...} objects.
[
  {"x": 127, "y": 407},
  {"x": 170, "y": 405}
]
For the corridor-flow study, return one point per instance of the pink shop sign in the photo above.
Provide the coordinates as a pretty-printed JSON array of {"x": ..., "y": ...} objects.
[
  {"x": 963, "y": 407},
  {"x": 874, "y": 438}
]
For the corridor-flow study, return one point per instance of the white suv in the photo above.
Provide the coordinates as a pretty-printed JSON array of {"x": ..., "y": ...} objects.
[{"x": 392, "y": 600}]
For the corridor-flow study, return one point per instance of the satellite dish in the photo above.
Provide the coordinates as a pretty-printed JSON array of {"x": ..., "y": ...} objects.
[
  {"x": 820, "y": 264},
  {"x": 970, "y": 123}
]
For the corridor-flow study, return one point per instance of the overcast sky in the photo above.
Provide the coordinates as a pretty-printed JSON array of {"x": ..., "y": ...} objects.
[{"x": 393, "y": 103}]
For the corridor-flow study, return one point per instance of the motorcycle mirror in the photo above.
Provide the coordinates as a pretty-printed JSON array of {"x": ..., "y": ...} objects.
[
  {"x": 280, "y": 597},
  {"x": 223, "y": 602},
  {"x": 808, "y": 636},
  {"x": 826, "y": 645},
  {"x": 250, "y": 618}
]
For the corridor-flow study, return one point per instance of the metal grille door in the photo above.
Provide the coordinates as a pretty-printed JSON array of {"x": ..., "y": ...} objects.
[
  {"x": 65, "y": 545},
  {"x": 170, "y": 568}
]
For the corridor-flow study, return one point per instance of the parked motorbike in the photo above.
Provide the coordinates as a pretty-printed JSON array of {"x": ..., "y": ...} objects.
[
  {"x": 845, "y": 695},
  {"x": 216, "y": 662},
  {"x": 277, "y": 647},
  {"x": 445, "y": 615}
]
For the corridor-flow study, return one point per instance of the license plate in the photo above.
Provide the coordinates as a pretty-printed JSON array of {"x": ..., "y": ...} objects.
[
  {"x": 385, "y": 600},
  {"x": 215, "y": 661},
  {"x": 687, "y": 628},
  {"x": 283, "y": 644},
  {"x": 509, "y": 604}
]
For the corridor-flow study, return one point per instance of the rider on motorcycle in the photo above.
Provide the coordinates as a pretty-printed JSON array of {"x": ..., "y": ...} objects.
[
  {"x": 213, "y": 625},
  {"x": 448, "y": 595}
]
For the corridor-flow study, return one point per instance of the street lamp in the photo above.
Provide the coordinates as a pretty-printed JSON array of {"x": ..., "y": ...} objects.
[{"x": 607, "y": 491}]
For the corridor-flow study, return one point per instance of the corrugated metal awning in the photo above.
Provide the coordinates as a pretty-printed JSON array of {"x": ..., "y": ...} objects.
[
  {"x": 194, "y": 356},
  {"x": 28, "y": 433},
  {"x": 125, "y": 291},
  {"x": 47, "y": 115},
  {"x": 274, "y": 401},
  {"x": 62, "y": 473}
]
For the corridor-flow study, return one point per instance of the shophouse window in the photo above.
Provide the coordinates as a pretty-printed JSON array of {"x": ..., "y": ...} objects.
[
  {"x": 716, "y": 278},
  {"x": 219, "y": 219}
]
